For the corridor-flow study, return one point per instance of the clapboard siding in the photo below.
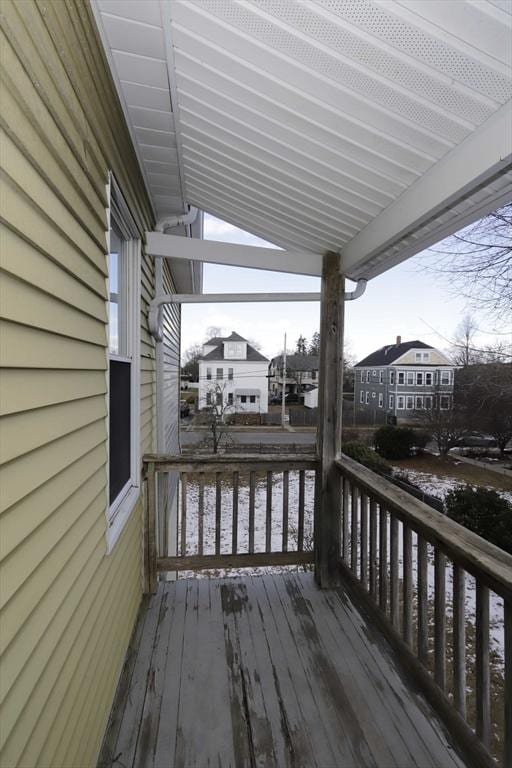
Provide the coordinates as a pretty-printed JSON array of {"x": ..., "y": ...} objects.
[
  {"x": 68, "y": 608},
  {"x": 171, "y": 321}
]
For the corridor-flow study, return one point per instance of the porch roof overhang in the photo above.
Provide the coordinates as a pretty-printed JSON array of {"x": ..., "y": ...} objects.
[{"x": 367, "y": 128}]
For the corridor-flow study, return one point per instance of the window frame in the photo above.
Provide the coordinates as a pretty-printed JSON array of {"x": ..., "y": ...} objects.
[
  {"x": 445, "y": 383},
  {"x": 230, "y": 374},
  {"x": 401, "y": 374},
  {"x": 367, "y": 399},
  {"x": 208, "y": 374},
  {"x": 431, "y": 382},
  {"x": 361, "y": 397},
  {"x": 419, "y": 375},
  {"x": 400, "y": 402},
  {"x": 119, "y": 511},
  {"x": 410, "y": 378},
  {"x": 391, "y": 402},
  {"x": 446, "y": 398},
  {"x": 219, "y": 374},
  {"x": 391, "y": 378},
  {"x": 381, "y": 399}
]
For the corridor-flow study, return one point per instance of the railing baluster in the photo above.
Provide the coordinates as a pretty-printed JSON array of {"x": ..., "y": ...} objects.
[
  {"x": 407, "y": 609},
  {"x": 383, "y": 558},
  {"x": 422, "y": 600},
  {"x": 507, "y": 750},
  {"x": 268, "y": 519},
  {"x": 364, "y": 540},
  {"x": 234, "y": 530},
  {"x": 353, "y": 530},
  {"x": 218, "y": 510},
  {"x": 252, "y": 494},
  {"x": 440, "y": 619},
  {"x": 346, "y": 495},
  {"x": 184, "y": 478},
  {"x": 302, "y": 494},
  {"x": 200, "y": 512},
  {"x": 373, "y": 548},
  {"x": 483, "y": 708},
  {"x": 286, "y": 488},
  {"x": 395, "y": 584},
  {"x": 459, "y": 640},
  {"x": 152, "y": 574}
]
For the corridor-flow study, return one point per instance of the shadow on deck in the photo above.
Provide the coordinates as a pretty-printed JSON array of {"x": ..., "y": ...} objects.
[{"x": 266, "y": 671}]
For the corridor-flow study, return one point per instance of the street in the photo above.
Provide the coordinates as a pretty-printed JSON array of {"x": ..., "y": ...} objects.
[{"x": 191, "y": 436}]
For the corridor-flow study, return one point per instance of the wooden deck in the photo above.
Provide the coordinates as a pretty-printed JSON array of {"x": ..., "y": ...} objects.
[{"x": 266, "y": 671}]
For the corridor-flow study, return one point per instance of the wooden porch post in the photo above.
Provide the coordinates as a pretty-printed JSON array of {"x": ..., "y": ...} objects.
[{"x": 330, "y": 396}]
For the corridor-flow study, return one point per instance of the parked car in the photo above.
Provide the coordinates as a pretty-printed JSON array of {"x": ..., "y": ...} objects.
[
  {"x": 292, "y": 398},
  {"x": 276, "y": 399},
  {"x": 476, "y": 440}
]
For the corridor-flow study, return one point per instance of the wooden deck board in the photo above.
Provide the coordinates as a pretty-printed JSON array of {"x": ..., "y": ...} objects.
[{"x": 267, "y": 671}]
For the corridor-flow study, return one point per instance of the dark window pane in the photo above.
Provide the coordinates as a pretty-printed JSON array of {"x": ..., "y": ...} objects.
[{"x": 120, "y": 432}]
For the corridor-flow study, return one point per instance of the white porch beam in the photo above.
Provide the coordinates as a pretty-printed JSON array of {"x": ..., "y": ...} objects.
[
  {"x": 233, "y": 298},
  {"x": 233, "y": 254},
  {"x": 485, "y": 154}
]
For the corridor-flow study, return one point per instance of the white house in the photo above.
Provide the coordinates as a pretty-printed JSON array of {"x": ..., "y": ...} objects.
[{"x": 233, "y": 373}]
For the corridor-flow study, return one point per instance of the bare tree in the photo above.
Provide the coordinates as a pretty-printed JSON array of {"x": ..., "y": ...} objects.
[
  {"x": 213, "y": 332},
  {"x": 463, "y": 351},
  {"x": 217, "y": 408},
  {"x": 445, "y": 425},
  {"x": 483, "y": 393},
  {"x": 478, "y": 262},
  {"x": 301, "y": 346},
  {"x": 192, "y": 355}
]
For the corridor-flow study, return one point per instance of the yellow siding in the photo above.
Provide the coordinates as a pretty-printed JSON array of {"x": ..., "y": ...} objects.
[{"x": 67, "y": 608}]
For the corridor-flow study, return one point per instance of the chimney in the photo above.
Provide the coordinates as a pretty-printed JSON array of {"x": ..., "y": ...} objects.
[{"x": 398, "y": 340}]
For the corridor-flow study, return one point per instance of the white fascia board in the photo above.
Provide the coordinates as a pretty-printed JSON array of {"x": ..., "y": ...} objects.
[
  {"x": 482, "y": 156},
  {"x": 232, "y": 254}
]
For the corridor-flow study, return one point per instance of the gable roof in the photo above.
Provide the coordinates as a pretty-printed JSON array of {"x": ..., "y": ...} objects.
[
  {"x": 298, "y": 362},
  {"x": 218, "y": 353},
  {"x": 391, "y": 352}
]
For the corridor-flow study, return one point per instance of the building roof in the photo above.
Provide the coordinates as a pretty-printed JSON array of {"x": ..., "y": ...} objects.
[
  {"x": 218, "y": 353},
  {"x": 391, "y": 352},
  {"x": 298, "y": 363}
]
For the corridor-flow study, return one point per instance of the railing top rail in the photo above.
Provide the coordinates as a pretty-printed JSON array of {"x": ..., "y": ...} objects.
[
  {"x": 224, "y": 462},
  {"x": 476, "y": 555}
]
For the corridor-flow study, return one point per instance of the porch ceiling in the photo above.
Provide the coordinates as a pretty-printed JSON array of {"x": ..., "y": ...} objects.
[{"x": 355, "y": 125}]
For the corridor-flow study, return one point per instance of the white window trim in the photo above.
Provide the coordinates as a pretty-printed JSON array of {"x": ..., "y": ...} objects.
[
  {"x": 367, "y": 399},
  {"x": 119, "y": 512},
  {"x": 448, "y": 398},
  {"x": 420, "y": 373},
  {"x": 391, "y": 402},
  {"x": 407, "y": 398},
  {"x": 381, "y": 400},
  {"x": 361, "y": 397},
  {"x": 400, "y": 383},
  {"x": 400, "y": 399}
]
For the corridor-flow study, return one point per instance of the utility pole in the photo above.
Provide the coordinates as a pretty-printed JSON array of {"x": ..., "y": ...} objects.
[{"x": 283, "y": 397}]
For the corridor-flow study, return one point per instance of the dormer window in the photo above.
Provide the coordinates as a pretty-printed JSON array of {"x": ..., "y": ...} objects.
[{"x": 235, "y": 350}]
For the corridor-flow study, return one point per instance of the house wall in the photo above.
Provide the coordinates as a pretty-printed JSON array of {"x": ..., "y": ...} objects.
[
  {"x": 246, "y": 375},
  {"x": 68, "y": 607}
]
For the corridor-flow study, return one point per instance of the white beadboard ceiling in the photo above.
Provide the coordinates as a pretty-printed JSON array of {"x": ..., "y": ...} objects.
[{"x": 373, "y": 127}]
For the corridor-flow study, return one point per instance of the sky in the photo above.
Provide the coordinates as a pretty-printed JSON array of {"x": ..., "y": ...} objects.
[{"x": 406, "y": 301}]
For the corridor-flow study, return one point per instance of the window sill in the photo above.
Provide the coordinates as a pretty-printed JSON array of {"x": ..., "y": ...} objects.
[{"x": 124, "y": 510}]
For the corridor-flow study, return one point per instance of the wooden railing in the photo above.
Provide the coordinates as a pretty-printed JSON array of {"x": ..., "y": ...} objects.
[
  {"x": 232, "y": 512},
  {"x": 432, "y": 586}
]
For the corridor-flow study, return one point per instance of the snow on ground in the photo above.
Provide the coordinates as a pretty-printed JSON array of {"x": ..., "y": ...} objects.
[{"x": 438, "y": 486}]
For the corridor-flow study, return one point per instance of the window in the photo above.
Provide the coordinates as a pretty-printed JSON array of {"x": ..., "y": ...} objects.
[
  {"x": 218, "y": 398},
  {"x": 428, "y": 402},
  {"x": 418, "y": 357},
  {"x": 381, "y": 377},
  {"x": 362, "y": 376},
  {"x": 391, "y": 377},
  {"x": 401, "y": 377},
  {"x": 381, "y": 399},
  {"x": 252, "y": 398},
  {"x": 230, "y": 398},
  {"x": 391, "y": 401},
  {"x": 243, "y": 398},
  {"x": 445, "y": 377},
  {"x": 208, "y": 398},
  {"x": 124, "y": 367},
  {"x": 361, "y": 397},
  {"x": 220, "y": 373},
  {"x": 367, "y": 398},
  {"x": 428, "y": 379},
  {"x": 209, "y": 374},
  {"x": 419, "y": 379},
  {"x": 234, "y": 350},
  {"x": 410, "y": 377},
  {"x": 426, "y": 357},
  {"x": 400, "y": 402},
  {"x": 367, "y": 376},
  {"x": 230, "y": 374},
  {"x": 444, "y": 402},
  {"x": 419, "y": 402},
  {"x": 409, "y": 403}
]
